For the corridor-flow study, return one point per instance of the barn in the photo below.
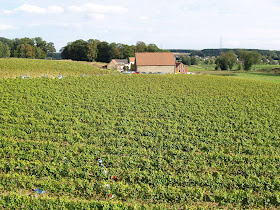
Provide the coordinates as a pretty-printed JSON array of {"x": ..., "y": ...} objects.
[
  {"x": 154, "y": 62},
  {"x": 118, "y": 64}
]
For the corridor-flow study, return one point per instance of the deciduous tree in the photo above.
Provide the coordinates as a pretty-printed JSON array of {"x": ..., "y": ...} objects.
[
  {"x": 104, "y": 52},
  {"x": 4, "y": 50},
  {"x": 226, "y": 60},
  {"x": 153, "y": 48},
  {"x": 186, "y": 60},
  {"x": 249, "y": 58},
  {"x": 141, "y": 46}
]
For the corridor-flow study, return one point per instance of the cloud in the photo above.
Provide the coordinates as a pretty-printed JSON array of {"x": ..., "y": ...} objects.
[
  {"x": 98, "y": 9},
  {"x": 76, "y": 9},
  {"x": 6, "y": 27},
  {"x": 143, "y": 18},
  {"x": 55, "y": 10},
  {"x": 32, "y": 9},
  {"x": 96, "y": 16}
]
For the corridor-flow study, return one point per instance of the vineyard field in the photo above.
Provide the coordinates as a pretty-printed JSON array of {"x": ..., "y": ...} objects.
[
  {"x": 16, "y": 67},
  {"x": 171, "y": 141}
]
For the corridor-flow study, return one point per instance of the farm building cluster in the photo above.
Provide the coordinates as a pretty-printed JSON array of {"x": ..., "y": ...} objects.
[{"x": 149, "y": 62}]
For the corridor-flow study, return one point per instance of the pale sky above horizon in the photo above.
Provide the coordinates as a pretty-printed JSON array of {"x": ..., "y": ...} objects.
[{"x": 177, "y": 24}]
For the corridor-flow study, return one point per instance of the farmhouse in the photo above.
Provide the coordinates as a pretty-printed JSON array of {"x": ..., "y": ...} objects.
[
  {"x": 118, "y": 64},
  {"x": 180, "y": 68},
  {"x": 153, "y": 62}
]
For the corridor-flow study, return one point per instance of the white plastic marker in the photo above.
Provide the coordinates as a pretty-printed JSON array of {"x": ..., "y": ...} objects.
[{"x": 102, "y": 169}]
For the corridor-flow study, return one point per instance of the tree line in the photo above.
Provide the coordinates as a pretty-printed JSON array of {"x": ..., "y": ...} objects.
[
  {"x": 102, "y": 51},
  {"x": 270, "y": 54},
  {"x": 244, "y": 59},
  {"x": 226, "y": 60},
  {"x": 26, "y": 48}
]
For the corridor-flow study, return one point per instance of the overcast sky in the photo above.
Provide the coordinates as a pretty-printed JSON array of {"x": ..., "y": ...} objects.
[{"x": 176, "y": 24}]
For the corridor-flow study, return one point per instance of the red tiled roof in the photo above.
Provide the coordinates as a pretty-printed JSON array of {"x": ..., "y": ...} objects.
[
  {"x": 177, "y": 64},
  {"x": 121, "y": 61},
  {"x": 131, "y": 59},
  {"x": 155, "y": 59}
]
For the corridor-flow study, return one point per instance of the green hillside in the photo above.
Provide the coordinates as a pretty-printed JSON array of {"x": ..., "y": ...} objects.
[
  {"x": 15, "y": 67},
  {"x": 171, "y": 141}
]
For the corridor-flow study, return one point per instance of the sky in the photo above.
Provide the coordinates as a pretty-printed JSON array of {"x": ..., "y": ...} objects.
[{"x": 170, "y": 24}]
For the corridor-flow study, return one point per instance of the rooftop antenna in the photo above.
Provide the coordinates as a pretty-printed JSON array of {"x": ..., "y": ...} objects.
[{"x": 221, "y": 42}]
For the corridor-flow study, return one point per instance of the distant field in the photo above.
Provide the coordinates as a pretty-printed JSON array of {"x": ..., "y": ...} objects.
[
  {"x": 15, "y": 67},
  {"x": 259, "y": 76},
  {"x": 201, "y": 67},
  {"x": 265, "y": 67},
  {"x": 247, "y": 75},
  {"x": 258, "y": 72},
  {"x": 204, "y": 67}
]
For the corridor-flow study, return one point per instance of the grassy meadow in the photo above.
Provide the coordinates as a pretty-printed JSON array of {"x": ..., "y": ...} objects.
[
  {"x": 166, "y": 141},
  {"x": 259, "y": 72}
]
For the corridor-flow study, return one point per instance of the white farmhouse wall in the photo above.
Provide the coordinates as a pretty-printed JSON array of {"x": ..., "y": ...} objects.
[
  {"x": 155, "y": 69},
  {"x": 131, "y": 64}
]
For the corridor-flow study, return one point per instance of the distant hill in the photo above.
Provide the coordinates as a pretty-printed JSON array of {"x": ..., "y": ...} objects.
[{"x": 216, "y": 52}]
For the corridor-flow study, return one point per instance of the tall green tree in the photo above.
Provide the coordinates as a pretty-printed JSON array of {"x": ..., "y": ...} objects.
[
  {"x": 43, "y": 48},
  {"x": 104, "y": 52},
  {"x": 153, "y": 48},
  {"x": 226, "y": 60},
  {"x": 4, "y": 50},
  {"x": 92, "y": 49},
  {"x": 39, "y": 53},
  {"x": 65, "y": 51},
  {"x": 116, "y": 50},
  {"x": 249, "y": 58},
  {"x": 8, "y": 42},
  {"x": 127, "y": 51},
  {"x": 39, "y": 42},
  {"x": 186, "y": 60},
  {"x": 79, "y": 50},
  {"x": 31, "y": 48},
  {"x": 194, "y": 60},
  {"x": 24, "y": 50},
  {"x": 141, "y": 46},
  {"x": 50, "y": 49}
]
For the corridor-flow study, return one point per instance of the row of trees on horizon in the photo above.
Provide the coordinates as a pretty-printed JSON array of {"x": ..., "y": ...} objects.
[
  {"x": 79, "y": 50},
  {"x": 101, "y": 51},
  {"x": 26, "y": 48}
]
